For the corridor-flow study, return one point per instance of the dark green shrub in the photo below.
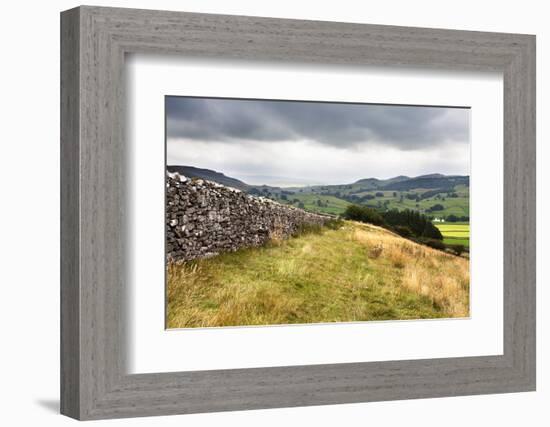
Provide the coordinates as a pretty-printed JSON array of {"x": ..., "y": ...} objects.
[
  {"x": 436, "y": 207},
  {"x": 431, "y": 231},
  {"x": 403, "y": 230},
  {"x": 457, "y": 249},
  {"x": 433, "y": 243},
  {"x": 454, "y": 218}
]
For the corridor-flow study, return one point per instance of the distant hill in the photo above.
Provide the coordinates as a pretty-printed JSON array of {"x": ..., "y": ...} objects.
[
  {"x": 433, "y": 194},
  {"x": 375, "y": 183},
  {"x": 432, "y": 175},
  {"x": 428, "y": 182},
  {"x": 398, "y": 183},
  {"x": 404, "y": 183},
  {"x": 209, "y": 175}
]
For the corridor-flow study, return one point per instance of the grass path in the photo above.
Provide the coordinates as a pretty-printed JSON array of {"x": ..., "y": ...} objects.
[{"x": 355, "y": 273}]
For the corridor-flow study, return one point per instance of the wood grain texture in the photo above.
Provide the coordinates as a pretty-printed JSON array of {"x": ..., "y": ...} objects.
[
  {"x": 70, "y": 314},
  {"x": 94, "y": 241}
]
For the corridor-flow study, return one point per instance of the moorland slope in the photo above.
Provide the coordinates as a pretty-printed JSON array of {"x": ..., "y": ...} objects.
[{"x": 350, "y": 272}]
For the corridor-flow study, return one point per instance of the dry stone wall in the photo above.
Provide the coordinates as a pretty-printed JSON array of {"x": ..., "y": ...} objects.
[{"x": 204, "y": 219}]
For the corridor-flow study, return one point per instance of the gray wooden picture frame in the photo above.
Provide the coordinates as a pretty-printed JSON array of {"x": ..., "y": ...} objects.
[{"x": 94, "y": 382}]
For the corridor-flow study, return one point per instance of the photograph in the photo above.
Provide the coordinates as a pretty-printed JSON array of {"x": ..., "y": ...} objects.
[{"x": 281, "y": 212}]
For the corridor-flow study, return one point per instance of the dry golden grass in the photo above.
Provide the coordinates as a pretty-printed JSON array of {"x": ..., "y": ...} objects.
[
  {"x": 355, "y": 273},
  {"x": 446, "y": 284},
  {"x": 441, "y": 277}
]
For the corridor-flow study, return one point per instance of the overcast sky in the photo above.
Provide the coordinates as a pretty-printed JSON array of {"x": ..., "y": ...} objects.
[{"x": 299, "y": 143}]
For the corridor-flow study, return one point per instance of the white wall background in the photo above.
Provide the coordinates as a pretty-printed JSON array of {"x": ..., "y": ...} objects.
[{"x": 29, "y": 268}]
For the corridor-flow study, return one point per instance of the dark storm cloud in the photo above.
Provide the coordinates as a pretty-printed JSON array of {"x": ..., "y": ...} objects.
[{"x": 339, "y": 125}]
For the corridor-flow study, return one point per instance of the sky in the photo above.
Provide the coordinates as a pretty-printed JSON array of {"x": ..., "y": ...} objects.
[{"x": 289, "y": 143}]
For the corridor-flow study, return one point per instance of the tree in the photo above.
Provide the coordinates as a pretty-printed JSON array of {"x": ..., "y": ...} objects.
[
  {"x": 431, "y": 231},
  {"x": 452, "y": 218},
  {"x": 419, "y": 224},
  {"x": 403, "y": 230},
  {"x": 457, "y": 249},
  {"x": 436, "y": 207},
  {"x": 433, "y": 243},
  {"x": 363, "y": 214}
]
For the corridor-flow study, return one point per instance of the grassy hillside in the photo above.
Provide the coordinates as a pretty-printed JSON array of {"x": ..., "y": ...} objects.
[
  {"x": 452, "y": 201},
  {"x": 317, "y": 203},
  {"x": 336, "y": 203},
  {"x": 210, "y": 175},
  {"x": 356, "y": 272}
]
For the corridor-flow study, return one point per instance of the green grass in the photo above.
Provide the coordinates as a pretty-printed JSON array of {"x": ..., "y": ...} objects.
[
  {"x": 455, "y": 233},
  {"x": 355, "y": 272},
  {"x": 459, "y": 206},
  {"x": 329, "y": 204},
  {"x": 456, "y": 241}
]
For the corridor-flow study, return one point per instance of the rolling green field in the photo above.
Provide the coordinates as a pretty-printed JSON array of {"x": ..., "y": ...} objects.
[
  {"x": 335, "y": 199},
  {"x": 457, "y": 233},
  {"x": 322, "y": 204},
  {"x": 457, "y": 206}
]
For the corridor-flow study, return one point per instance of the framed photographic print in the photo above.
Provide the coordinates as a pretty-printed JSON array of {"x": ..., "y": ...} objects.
[
  {"x": 262, "y": 213},
  {"x": 285, "y": 179}
]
